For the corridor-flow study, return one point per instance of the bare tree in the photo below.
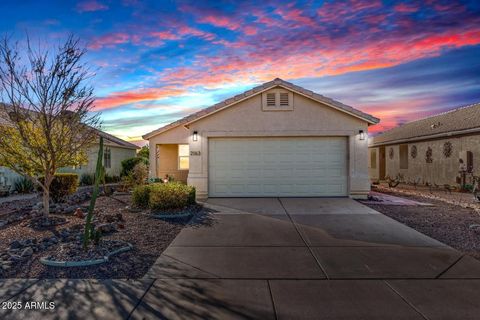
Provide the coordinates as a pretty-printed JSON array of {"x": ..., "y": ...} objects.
[{"x": 48, "y": 103}]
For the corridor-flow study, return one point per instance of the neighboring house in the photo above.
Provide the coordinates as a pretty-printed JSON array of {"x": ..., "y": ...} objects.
[
  {"x": 429, "y": 150},
  {"x": 276, "y": 139},
  {"x": 115, "y": 151}
]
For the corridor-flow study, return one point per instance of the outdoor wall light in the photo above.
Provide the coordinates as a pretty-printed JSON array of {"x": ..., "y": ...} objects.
[
  {"x": 362, "y": 134},
  {"x": 195, "y": 135}
]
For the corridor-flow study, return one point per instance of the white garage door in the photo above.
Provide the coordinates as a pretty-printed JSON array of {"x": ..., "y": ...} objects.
[{"x": 271, "y": 167}]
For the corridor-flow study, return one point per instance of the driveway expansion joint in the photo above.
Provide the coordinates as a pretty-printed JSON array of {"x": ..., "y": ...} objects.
[
  {"x": 405, "y": 300},
  {"x": 449, "y": 267},
  {"x": 303, "y": 239}
]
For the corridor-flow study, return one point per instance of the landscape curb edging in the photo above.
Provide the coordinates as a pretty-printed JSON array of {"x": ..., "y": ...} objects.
[
  {"x": 85, "y": 263},
  {"x": 169, "y": 216}
]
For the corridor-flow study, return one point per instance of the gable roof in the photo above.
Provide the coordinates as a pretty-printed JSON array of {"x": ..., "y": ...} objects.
[
  {"x": 457, "y": 121},
  {"x": 257, "y": 90},
  {"x": 117, "y": 141}
]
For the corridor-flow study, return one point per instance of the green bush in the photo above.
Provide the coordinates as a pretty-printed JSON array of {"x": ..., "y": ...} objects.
[
  {"x": 141, "y": 196},
  {"x": 63, "y": 184},
  {"x": 87, "y": 179},
  {"x": 23, "y": 185},
  {"x": 129, "y": 164},
  {"x": 170, "y": 196}
]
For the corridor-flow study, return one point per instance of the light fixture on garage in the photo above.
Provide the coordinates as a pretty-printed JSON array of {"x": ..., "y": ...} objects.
[
  {"x": 362, "y": 134},
  {"x": 195, "y": 135}
]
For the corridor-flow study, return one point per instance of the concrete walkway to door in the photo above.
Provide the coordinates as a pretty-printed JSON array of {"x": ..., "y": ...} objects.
[{"x": 273, "y": 258}]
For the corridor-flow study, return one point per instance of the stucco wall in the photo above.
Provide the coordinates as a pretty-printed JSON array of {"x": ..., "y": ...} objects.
[
  {"x": 167, "y": 162},
  {"x": 442, "y": 170},
  {"x": 177, "y": 135},
  {"x": 118, "y": 154},
  {"x": 7, "y": 177},
  {"x": 309, "y": 118}
]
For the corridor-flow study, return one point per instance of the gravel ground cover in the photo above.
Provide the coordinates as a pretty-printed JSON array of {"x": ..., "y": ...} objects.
[
  {"x": 451, "y": 224},
  {"x": 149, "y": 236}
]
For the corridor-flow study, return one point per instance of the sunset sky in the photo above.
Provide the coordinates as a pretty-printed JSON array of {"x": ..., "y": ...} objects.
[{"x": 161, "y": 60}]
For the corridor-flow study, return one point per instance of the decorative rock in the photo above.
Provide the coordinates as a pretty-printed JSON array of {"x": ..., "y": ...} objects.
[
  {"x": 16, "y": 257},
  {"x": 28, "y": 251},
  {"x": 79, "y": 213},
  {"x": 106, "y": 228},
  {"x": 15, "y": 244}
]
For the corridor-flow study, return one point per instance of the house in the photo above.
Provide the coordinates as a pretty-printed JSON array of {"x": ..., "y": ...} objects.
[
  {"x": 276, "y": 139},
  {"x": 429, "y": 150},
  {"x": 115, "y": 151}
]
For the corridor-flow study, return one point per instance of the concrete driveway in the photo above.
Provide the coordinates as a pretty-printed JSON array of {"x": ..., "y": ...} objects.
[{"x": 287, "y": 258}]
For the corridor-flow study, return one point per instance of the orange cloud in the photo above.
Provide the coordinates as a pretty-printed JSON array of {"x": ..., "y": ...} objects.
[{"x": 117, "y": 99}]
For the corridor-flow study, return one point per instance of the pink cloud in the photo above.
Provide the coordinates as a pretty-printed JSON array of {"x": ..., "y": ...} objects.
[
  {"x": 406, "y": 8},
  {"x": 250, "y": 31},
  {"x": 90, "y": 6},
  {"x": 295, "y": 15},
  {"x": 189, "y": 31},
  {"x": 110, "y": 40},
  {"x": 164, "y": 35},
  {"x": 219, "y": 21}
]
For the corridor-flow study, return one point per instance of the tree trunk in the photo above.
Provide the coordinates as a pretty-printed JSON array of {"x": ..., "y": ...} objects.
[{"x": 46, "y": 202}]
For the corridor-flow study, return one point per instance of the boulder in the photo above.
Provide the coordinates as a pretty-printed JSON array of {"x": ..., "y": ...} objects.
[
  {"x": 15, "y": 244},
  {"x": 106, "y": 228},
  {"x": 28, "y": 251}
]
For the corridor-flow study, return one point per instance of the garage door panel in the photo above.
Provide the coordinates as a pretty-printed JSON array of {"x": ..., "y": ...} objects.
[{"x": 277, "y": 167}]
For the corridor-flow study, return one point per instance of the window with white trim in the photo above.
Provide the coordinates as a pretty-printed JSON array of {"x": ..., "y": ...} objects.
[{"x": 183, "y": 157}]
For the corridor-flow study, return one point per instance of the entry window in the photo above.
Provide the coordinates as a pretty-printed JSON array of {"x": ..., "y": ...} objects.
[
  {"x": 107, "y": 158},
  {"x": 183, "y": 157},
  {"x": 404, "y": 156},
  {"x": 373, "y": 159}
]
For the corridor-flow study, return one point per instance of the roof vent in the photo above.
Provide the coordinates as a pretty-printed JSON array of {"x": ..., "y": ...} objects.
[
  {"x": 284, "y": 99},
  {"x": 271, "y": 99}
]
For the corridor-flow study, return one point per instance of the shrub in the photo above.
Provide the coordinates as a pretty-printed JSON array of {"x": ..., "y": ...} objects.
[
  {"x": 139, "y": 173},
  {"x": 112, "y": 179},
  {"x": 170, "y": 196},
  {"x": 23, "y": 185},
  {"x": 87, "y": 179},
  {"x": 129, "y": 164},
  {"x": 63, "y": 184},
  {"x": 140, "y": 196}
]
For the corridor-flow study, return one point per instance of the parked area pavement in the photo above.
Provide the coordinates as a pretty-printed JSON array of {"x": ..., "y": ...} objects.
[{"x": 271, "y": 258}]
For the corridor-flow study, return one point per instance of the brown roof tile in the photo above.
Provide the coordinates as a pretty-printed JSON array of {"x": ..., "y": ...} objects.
[{"x": 453, "y": 121}]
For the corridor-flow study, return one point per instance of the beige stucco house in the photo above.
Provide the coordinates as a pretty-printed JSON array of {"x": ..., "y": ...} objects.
[
  {"x": 276, "y": 139},
  {"x": 429, "y": 150},
  {"x": 115, "y": 151}
]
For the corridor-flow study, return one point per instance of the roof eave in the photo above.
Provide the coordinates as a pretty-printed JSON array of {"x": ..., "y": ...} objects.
[{"x": 428, "y": 137}]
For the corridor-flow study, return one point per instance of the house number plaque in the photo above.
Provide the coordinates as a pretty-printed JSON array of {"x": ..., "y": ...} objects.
[{"x": 194, "y": 153}]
